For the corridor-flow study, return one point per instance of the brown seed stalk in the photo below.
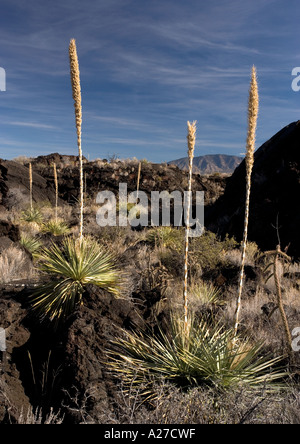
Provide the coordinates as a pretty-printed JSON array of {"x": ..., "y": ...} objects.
[
  {"x": 76, "y": 89},
  {"x": 56, "y": 189},
  {"x": 249, "y": 159},
  {"x": 191, "y": 139}
]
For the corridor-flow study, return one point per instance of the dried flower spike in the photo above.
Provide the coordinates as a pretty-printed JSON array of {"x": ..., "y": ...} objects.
[{"x": 75, "y": 81}]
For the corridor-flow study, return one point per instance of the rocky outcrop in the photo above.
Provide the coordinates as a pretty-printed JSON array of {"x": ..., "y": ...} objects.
[
  {"x": 9, "y": 234},
  {"x": 13, "y": 401},
  {"x": 101, "y": 175},
  {"x": 61, "y": 160},
  {"x": 274, "y": 209},
  {"x": 95, "y": 324},
  {"x": 14, "y": 186}
]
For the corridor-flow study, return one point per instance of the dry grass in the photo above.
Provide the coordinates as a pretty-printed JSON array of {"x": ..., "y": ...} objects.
[{"x": 14, "y": 265}]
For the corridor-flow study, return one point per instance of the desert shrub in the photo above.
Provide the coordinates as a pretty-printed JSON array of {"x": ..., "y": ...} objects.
[
  {"x": 38, "y": 417},
  {"x": 166, "y": 237},
  {"x": 208, "y": 251},
  {"x": 14, "y": 265},
  {"x": 172, "y": 260},
  {"x": 15, "y": 198},
  {"x": 252, "y": 252},
  {"x": 72, "y": 267},
  {"x": 235, "y": 256},
  {"x": 23, "y": 160}
]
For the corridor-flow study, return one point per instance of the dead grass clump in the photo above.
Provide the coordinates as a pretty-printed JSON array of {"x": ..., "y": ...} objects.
[{"x": 15, "y": 265}]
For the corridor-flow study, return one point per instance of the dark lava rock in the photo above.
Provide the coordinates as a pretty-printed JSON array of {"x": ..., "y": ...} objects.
[
  {"x": 95, "y": 324},
  {"x": 274, "y": 196},
  {"x": 14, "y": 186},
  {"x": 9, "y": 234},
  {"x": 101, "y": 176},
  {"x": 9, "y": 230},
  {"x": 13, "y": 401},
  {"x": 59, "y": 159}
]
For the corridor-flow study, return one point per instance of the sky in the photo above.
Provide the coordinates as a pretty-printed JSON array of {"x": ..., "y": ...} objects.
[{"x": 146, "y": 67}]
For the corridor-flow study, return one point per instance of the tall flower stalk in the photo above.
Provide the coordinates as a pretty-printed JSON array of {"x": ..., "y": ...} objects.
[
  {"x": 76, "y": 89},
  {"x": 56, "y": 189},
  {"x": 249, "y": 159},
  {"x": 138, "y": 181},
  {"x": 191, "y": 139},
  {"x": 30, "y": 186}
]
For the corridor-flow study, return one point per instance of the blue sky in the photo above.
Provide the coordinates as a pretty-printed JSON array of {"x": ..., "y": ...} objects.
[{"x": 147, "y": 66}]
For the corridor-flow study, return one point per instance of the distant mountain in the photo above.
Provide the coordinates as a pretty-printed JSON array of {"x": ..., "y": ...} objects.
[{"x": 209, "y": 164}]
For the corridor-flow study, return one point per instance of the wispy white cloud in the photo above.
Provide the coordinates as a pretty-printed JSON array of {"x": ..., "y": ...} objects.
[{"x": 32, "y": 125}]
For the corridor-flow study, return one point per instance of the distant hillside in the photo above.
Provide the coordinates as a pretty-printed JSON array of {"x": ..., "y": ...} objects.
[{"x": 209, "y": 164}]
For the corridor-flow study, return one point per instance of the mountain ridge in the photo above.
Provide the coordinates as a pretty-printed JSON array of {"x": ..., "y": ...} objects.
[{"x": 210, "y": 163}]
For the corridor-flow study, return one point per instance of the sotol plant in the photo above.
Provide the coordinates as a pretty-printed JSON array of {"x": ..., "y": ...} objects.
[
  {"x": 80, "y": 261},
  {"x": 71, "y": 268},
  {"x": 189, "y": 355}
]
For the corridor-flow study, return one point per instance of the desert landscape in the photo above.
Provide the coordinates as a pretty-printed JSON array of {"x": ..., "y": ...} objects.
[
  {"x": 118, "y": 353},
  {"x": 135, "y": 292}
]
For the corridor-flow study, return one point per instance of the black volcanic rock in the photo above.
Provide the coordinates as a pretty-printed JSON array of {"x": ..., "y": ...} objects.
[
  {"x": 58, "y": 159},
  {"x": 14, "y": 186},
  {"x": 99, "y": 176},
  {"x": 274, "y": 196}
]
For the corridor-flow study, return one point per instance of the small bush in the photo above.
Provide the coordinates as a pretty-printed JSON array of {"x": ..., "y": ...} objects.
[
  {"x": 166, "y": 237},
  {"x": 208, "y": 250},
  {"x": 56, "y": 227},
  {"x": 14, "y": 265}
]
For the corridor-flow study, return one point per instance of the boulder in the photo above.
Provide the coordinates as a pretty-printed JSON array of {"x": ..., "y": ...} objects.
[
  {"x": 88, "y": 338},
  {"x": 14, "y": 186},
  {"x": 274, "y": 209},
  {"x": 13, "y": 401}
]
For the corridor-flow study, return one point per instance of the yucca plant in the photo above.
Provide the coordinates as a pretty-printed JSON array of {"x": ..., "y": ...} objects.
[
  {"x": 56, "y": 227},
  {"x": 71, "y": 268},
  {"x": 30, "y": 243},
  {"x": 191, "y": 354},
  {"x": 32, "y": 215},
  {"x": 206, "y": 293}
]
